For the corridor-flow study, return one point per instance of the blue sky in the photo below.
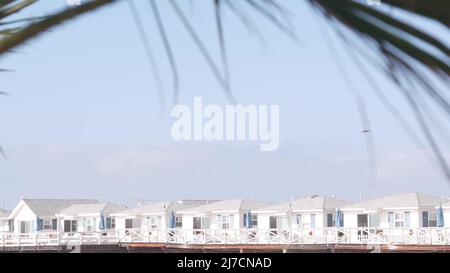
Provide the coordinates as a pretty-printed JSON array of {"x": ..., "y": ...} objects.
[{"x": 83, "y": 118}]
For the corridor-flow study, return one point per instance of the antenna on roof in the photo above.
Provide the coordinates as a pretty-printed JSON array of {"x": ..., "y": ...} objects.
[
  {"x": 360, "y": 197},
  {"x": 141, "y": 202}
]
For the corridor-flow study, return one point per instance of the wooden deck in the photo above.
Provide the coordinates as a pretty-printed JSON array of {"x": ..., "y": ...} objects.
[
  {"x": 221, "y": 248},
  {"x": 235, "y": 241},
  {"x": 357, "y": 248}
]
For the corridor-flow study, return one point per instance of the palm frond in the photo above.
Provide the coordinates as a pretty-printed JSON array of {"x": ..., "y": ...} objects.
[{"x": 408, "y": 53}]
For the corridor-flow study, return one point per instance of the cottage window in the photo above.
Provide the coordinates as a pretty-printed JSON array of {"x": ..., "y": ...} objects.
[
  {"x": 178, "y": 221},
  {"x": 47, "y": 224},
  {"x": 225, "y": 221},
  {"x": 363, "y": 220},
  {"x": 25, "y": 226},
  {"x": 198, "y": 223},
  {"x": 254, "y": 220},
  {"x": 154, "y": 222},
  {"x": 399, "y": 219},
  {"x": 54, "y": 224},
  {"x": 132, "y": 223},
  {"x": 306, "y": 221},
  {"x": 5, "y": 226},
  {"x": 283, "y": 222},
  {"x": 70, "y": 226},
  {"x": 11, "y": 225},
  {"x": 89, "y": 224},
  {"x": 110, "y": 223},
  {"x": 299, "y": 221},
  {"x": 331, "y": 221},
  {"x": 432, "y": 219},
  {"x": 313, "y": 220},
  {"x": 128, "y": 223}
]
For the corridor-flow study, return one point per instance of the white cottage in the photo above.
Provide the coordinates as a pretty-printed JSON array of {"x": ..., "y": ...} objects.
[
  {"x": 301, "y": 213},
  {"x": 227, "y": 214},
  {"x": 153, "y": 216},
  {"x": 88, "y": 217},
  {"x": 404, "y": 210},
  {"x": 31, "y": 215},
  {"x": 4, "y": 221}
]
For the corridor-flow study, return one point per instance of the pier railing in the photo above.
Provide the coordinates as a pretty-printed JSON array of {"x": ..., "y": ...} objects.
[{"x": 363, "y": 236}]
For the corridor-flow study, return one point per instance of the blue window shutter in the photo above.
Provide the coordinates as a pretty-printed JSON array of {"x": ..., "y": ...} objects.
[
  {"x": 40, "y": 224},
  {"x": 54, "y": 224},
  {"x": 425, "y": 218}
]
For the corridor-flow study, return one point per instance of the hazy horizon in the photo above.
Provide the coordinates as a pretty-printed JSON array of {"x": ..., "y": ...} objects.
[{"x": 83, "y": 118}]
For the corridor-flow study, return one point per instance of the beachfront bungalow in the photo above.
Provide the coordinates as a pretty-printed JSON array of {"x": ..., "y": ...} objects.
[
  {"x": 4, "y": 221},
  {"x": 155, "y": 215},
  {"x": 150, "y": 220},
  {"x": 227, "y": 214},
  {"x": 31, "y": 215},
  {"x": 88, "y": 217},
  {"x": 404, "y": 210},
  {"x": 301, "y": 213}
]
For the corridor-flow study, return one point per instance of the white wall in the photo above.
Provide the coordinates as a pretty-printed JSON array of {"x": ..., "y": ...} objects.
[
  {"x": 447, "y": 217},
  {"x": 263, "y": 220},
  {"x": 80, "y": 227},
  {"x": 24, "y": 213},
  {"x": 320, "y": 219},
  {"x": 351, "y": 218},
  {"x": 4, "y": 225},
  {"x": 187, "y": 221}
]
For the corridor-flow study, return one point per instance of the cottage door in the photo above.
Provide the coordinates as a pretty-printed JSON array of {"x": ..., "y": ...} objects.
[
  {"x": 197, "y": 223},
  {"x": 363, "y": 220},
  {"x": 273, "y": 222}
]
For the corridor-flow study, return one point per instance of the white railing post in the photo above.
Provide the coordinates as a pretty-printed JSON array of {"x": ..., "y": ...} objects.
[{"x": 445, "y": 235}]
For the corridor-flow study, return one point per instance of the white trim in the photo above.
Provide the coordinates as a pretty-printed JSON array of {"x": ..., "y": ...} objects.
[
  {"x": 19, "y": 206},
  {"x": 152, "y": 213},
  {"x": 224, "y": 211}
]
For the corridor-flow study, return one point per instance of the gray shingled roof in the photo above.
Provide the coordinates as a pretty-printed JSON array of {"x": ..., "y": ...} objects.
[
  {"x": 410, "y": 200},
  {"x": 446, "y": 204},
  {"x": 226, "y": 205},
  {"x": 49, "y": 207},
  {"x": 309, "y": 203},
  {"x": 4, "y": 213},
  {"x": 105, "y": 208},
  {"x": 158, "y": 207}
]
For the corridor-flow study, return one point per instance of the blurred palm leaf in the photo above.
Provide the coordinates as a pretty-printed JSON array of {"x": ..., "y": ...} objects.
[{"x": 408, "y": 52}]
